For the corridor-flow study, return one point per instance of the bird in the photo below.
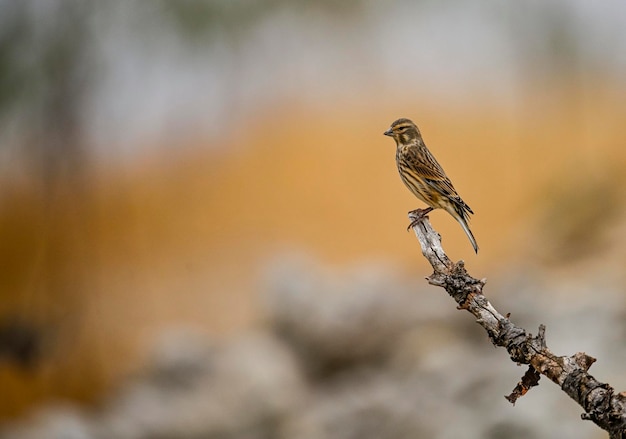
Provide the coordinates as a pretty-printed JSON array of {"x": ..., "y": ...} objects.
[{"x": 425, "y": 178}]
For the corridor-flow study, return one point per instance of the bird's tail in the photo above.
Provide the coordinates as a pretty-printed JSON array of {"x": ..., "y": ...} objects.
[{"x": 461, "y": 214}]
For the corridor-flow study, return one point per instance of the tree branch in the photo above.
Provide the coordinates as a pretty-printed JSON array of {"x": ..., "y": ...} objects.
[{"x": 601, "y": 404}]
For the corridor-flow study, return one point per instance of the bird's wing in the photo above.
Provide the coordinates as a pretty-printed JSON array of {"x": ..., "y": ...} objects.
[{"x": 426, "y": 167}]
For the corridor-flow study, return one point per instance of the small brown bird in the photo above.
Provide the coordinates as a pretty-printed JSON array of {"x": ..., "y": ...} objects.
[{"x": 425, "y": 177}]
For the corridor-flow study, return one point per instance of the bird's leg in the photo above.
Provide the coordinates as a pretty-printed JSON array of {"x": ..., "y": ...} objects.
[{"x": 420, "y": 214}]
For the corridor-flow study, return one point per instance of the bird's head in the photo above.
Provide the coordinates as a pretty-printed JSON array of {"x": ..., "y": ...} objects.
[{"x": 403, "y": 132}]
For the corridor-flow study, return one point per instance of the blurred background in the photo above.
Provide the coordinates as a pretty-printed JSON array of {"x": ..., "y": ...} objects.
[{"x": 202, "y": 228}]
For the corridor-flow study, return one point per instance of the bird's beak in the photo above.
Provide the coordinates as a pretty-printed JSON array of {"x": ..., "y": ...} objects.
[{"x": 388, "y": 132}]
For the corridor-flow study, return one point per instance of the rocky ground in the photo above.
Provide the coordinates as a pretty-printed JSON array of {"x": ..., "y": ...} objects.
[{"x": 358, "y": 355}]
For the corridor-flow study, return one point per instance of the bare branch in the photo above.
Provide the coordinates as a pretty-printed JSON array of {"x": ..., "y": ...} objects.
[{"x": 601, "y": 404}]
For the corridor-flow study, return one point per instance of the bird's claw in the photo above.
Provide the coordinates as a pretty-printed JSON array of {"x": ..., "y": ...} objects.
[
  {"x": 419, "y": 214},
  {"x": 414, "y": 223}
]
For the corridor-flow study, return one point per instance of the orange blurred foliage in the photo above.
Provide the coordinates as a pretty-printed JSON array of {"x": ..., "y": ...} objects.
[{"x": 183, "y": 241}]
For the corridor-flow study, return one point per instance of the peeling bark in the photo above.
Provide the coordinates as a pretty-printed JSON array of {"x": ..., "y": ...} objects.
[{"x": 602, "y": 405}]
